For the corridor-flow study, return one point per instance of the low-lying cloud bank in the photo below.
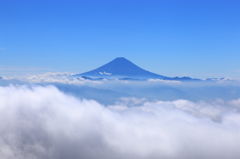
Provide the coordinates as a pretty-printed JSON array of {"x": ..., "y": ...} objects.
[
  {"x": 43, "y": 122},
  {"x": 67, "y": 78}
]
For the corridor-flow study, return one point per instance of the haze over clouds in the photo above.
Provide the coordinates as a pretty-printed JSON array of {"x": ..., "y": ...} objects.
[{"x": 43, "y": 122}]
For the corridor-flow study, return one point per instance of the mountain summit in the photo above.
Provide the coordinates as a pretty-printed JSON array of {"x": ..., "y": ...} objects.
[{"x": 120, "y": 68}]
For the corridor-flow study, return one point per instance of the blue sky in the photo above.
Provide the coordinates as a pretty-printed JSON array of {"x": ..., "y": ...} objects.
[{"x": 197, "y": 38}]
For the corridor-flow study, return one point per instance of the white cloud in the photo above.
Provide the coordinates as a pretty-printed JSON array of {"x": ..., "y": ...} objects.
[{"x": 42, "y": 122}]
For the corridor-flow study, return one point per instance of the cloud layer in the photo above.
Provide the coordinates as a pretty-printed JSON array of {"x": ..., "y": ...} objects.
[{"x": 43, "y": 122}]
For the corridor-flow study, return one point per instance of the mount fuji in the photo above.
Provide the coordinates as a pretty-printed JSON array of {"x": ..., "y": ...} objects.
[{"x": 123, "y": 69}]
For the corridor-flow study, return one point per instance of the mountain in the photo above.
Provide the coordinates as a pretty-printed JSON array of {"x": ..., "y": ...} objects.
[
  {"x": 124, "y": 69},
  {"x": 120, "y": 68}
]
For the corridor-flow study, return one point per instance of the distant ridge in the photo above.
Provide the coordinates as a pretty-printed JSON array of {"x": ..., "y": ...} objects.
[{"x": 123, "y": 69}]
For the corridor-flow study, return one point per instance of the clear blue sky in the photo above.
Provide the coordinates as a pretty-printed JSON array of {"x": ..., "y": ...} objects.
[{"x": 197, "y": 38}]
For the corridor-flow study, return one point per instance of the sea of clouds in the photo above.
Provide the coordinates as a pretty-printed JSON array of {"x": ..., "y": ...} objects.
[
  {"x": 39, "y": 122},
  {"x": 63, "y": 77}
]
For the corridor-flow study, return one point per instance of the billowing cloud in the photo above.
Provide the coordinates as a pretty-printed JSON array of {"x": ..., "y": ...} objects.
[{"x": 43, "y": 122}]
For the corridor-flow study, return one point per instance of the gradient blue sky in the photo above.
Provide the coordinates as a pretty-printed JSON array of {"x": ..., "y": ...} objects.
[{"x": 197, "y": 38}]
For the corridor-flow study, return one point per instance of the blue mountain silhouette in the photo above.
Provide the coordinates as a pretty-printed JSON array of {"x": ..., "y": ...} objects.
[
  {"x": 124, "y": 69},
  {"x": 121, "y": 68}
]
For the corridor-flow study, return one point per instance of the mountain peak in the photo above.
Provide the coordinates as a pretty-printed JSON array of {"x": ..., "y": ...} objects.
[{"x": 121, "y": 59}]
